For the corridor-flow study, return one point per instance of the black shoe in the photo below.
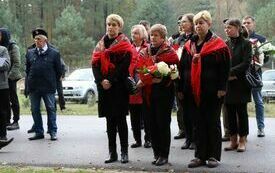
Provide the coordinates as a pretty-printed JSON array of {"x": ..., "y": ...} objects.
[
  {"x": 154, "y": 162},
  {"x": 161, "y": 161},
  {"x": 147, "y": 144},
  {"x": 31, "y": 131},
  {"x": 112, "y": 158},
  {"x": 36, "y": 137},
  {"x": 4, "y": 142},
  {"x": 186, "y": 145},
  {"x": 13, "y": 126},
  {"x": 192, "y": 146},
  {"x": 53, "y": 137},
  {"x": 179, "y": 136},
  {"x": 136, "y": 145},
  {"x": 196, "y": 163},
  {"x": 212, "y": 163},
  {"x": 261, "y": 133},
  {"x": 124, "y": 158}
]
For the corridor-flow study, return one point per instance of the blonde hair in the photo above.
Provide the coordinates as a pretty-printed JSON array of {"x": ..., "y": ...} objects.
[
  {"x": 161, "y": 29},
  {"x": 115, "y": 18},
  {"x": 205, "y": 15},
  {"x": 142, "y": 31}
]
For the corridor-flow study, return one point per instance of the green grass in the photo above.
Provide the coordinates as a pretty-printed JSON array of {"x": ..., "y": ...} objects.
[
  {"x": 84, "y": 109},
  {"x": 71, "y": 108}
]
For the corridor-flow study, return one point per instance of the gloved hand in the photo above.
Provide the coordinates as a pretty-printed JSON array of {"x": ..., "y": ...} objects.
[{"x": 62, "y": 103}]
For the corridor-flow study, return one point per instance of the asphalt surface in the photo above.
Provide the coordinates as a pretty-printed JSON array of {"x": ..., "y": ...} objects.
[{"x": 82, "y": 142}]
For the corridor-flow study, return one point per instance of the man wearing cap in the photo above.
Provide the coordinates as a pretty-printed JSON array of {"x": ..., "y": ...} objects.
[{"x": 43, "y": 70}]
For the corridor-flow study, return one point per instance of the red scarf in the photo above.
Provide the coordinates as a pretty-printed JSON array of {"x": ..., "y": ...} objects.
[
  {"x": 146, "y": 59},
  {"x": 101, "y": 55},
  {"x": 212, "y": 46}
]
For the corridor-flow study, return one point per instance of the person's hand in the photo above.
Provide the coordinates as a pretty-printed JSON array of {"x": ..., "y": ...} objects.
[
  {"x": 106, "y": 84},
  {"x": 180, "y": 95},
  {"x": 26, "y": 93},
  {"x": 196, "y": 58},
  {"x": 61, "y": 102},
  {"x": 140, "y": 84},
  {"x": 221, "y": 93},
  {"x": 157, "y": 80},
  {"x": 230, "y": 78}
]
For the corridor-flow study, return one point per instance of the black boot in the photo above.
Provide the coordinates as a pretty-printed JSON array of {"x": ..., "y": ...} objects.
[
  {"x": 112, "y": 158},
  {"x": 124, "y": 155},
  {"x": 186, "y": 145},
  {"x": 124, "y": 158}
]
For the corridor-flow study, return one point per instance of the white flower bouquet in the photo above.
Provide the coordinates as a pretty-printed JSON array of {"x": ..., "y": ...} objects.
[{"x": 161, "y": 69}]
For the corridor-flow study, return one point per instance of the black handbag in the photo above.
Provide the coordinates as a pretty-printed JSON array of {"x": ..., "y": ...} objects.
[
  {"x": 131, "y": 85},
  {"x": 253, "y": 77}
]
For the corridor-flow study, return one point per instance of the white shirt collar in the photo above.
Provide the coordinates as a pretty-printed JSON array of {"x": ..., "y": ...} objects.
[{"x": 45, "y": 48}]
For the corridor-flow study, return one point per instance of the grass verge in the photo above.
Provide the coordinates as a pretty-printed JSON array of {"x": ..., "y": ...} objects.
[{"x": 85, "y": 109}]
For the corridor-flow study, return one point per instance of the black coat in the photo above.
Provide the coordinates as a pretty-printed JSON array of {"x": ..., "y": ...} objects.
[
  {"x": 238, "y": 90},
  {"x": 43, "y": 71},
  {"x": 114, "y": 101},
  {"x": 214, "y": 72}
]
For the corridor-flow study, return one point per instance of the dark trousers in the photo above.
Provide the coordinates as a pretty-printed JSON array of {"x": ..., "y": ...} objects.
[
  {"x": 117, "y": 124},
  {"x": 188, "y": 117},
  {"x": 135, "y": 115},
  {"x": 238, "y": 119},
  {"x": 14, "y": 101},
  {"x": 146, "y": 121},
  {"x": 180, "y": 118},
  {"x": 4, "y": 108},
  {"x": 160, "y": 119},
  {"x": 208, "y": 129},
  {"x": 225, "y": 121}
]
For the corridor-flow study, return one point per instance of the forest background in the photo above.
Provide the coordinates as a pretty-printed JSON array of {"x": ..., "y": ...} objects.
[{"x": 74, "y": 26}]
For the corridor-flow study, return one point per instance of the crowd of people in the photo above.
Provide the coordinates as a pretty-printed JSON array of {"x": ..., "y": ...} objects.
[
  {"x": 195, "y": 68},
  {"x": 211, "y": 78}
]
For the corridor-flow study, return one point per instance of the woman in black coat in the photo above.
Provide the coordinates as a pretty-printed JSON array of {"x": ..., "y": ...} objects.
[
  {"x": 158, "y": 92},
  {"x": 238, "y": 93},
  {"x": 204, "y": 71},
  {"x": 110, "y": 62}
]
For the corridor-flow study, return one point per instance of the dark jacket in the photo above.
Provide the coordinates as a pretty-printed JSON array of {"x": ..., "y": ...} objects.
[
  {"x": 43, "y": 71},
  {"x": 214, "y": 72},
  {"x": 114, "y": 101},
  {"x": 14, "y": 71},
  {"x": 260, "y": 38},
  {"x": 238, "y": 90}
]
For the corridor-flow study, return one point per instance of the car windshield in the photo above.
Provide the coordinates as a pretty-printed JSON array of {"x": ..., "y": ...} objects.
[
  {"x": 81, "y": 75},
  {"x": 269, "y": 76}
]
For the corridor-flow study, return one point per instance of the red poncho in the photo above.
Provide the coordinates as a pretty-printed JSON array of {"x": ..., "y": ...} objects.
[
  {"x": 215, "y": 44},
  {"x": 101, "y": 55},
  {"x": 146, "y": 59}
]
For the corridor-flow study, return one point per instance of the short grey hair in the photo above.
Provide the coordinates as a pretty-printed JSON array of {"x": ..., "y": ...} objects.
[{"x": 142, "y": 31}]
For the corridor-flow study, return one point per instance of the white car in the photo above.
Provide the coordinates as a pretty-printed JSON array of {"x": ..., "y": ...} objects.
[
  {"x": 268, "y": 90},
  {"x": 80, "y": 86}
]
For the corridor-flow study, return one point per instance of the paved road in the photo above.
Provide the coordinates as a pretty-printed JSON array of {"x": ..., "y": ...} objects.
[{"x": 82, "y": 142}]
